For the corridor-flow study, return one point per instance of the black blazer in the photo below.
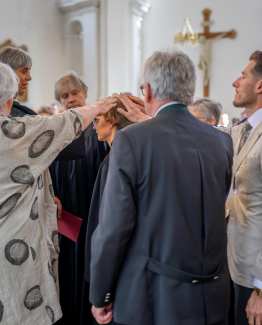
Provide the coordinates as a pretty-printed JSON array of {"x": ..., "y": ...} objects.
[
  {"x": 159, "y": 251},
  {"x": 75, "y": 150}
]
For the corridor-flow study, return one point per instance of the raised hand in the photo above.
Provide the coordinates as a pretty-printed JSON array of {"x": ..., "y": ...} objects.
[
  {"x": 140, "y": 103},
  {"x": 104, "y": 105},
  {"x": 134, "y": 113}
]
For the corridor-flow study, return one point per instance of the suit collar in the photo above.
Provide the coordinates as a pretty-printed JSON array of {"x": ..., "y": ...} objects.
[
  {"x": 173, "y": 107},
  {"x": 255, "y": 135}
]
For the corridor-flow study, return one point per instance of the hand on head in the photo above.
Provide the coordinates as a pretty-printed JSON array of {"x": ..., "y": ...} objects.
[
  {"x": 103, "y": 315},
  {"x": 140, "y": 103},
  {"x": 104, "y": 105},
  {"x": 135, "y": 110}
]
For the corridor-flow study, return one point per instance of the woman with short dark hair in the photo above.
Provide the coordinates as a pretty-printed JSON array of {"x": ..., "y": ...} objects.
[{"x": 106, "y": 127}]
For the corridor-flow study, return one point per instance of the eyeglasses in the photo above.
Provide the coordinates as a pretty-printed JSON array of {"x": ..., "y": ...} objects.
[
  {"x": 95, "y": 122},
  {"x": 143, "y": 89}
]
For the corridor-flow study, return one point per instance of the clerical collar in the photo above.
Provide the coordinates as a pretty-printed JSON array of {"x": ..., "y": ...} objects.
[
  {"x": 255, "y": 118},
  {"x": 165, "y": 105}
]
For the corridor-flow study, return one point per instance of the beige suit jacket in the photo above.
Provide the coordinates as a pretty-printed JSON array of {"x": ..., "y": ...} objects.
[{"x": 244, "y": 206}]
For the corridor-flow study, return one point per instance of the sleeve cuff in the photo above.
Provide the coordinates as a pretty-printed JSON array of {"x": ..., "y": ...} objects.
[{"x": 257, "y": 283}]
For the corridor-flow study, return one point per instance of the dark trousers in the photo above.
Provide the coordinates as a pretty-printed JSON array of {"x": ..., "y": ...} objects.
[{"x": 242, "y": 296}]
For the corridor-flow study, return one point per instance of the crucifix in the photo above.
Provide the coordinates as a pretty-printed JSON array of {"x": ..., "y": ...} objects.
[{"x": 205, "y": 40}]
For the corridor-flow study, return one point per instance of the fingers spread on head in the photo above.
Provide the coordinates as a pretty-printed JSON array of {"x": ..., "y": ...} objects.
[{"x": 123, "y": 112}]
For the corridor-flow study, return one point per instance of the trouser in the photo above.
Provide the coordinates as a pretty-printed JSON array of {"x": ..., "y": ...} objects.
[{"x": 242, "y": 296}]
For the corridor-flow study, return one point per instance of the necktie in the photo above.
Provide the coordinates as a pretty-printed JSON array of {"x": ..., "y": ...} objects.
[{"x": 246, "y": 128}]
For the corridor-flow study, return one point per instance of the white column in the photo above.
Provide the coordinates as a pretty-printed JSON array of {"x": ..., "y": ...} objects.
[
  {"x": 139, "y": 8},
  {"x": 86, "y": 12}
]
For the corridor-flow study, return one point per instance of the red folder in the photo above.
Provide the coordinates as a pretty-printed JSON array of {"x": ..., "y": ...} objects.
[{"x": 69, "y": 225}]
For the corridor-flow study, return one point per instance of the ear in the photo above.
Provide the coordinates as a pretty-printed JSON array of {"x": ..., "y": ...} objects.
[
  {"x": 212, "y": 121},
  {"x": 259, "y": 87},
  {"x": 148, "y": 93},
  {"x": 112, "y": 122},
  {"x": 85, "y": 93}
]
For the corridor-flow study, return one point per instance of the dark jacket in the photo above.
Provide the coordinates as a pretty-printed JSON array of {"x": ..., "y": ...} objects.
[{"x": 159, "y": 251}]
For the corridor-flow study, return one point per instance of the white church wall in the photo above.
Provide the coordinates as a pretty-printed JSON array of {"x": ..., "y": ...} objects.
[
  {"x": 38, "y": 25},
  {"x": 229, "y": 56}
]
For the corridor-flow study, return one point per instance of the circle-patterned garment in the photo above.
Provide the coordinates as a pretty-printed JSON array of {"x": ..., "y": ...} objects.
[
  {"x": 33, "y": 298},
  {"x": 41, "y": 144},
  {"x": 16, "y": 252},
  {"x": 13, "y": 129}
]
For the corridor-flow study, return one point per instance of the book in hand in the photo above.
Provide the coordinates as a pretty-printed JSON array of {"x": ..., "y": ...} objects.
[{"x": 69, "y": 225}]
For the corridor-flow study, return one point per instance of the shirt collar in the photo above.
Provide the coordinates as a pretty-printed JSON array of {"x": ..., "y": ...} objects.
[
  {"x": 165, "y": 105},
  {"x": 255, "y": 118}
]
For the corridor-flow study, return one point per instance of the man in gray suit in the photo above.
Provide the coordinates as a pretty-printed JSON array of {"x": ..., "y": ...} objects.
[
  {"x": 244, "y": 203},
  {"x": 159, "y": 251}
]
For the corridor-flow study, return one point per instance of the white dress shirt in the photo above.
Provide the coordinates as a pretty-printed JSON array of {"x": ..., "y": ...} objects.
[{"x": 254, "y": 120}]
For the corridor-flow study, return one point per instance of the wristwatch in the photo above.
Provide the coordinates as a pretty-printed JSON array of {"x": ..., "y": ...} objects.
[{"x": 259, "y": 292}]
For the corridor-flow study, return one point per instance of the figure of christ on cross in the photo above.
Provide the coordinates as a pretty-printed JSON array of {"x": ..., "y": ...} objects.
[{"x": 205, "y": 40}]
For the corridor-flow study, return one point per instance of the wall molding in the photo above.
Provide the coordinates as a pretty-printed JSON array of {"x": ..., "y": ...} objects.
[
  {"x": 67, "y": 6},
  {"x": 140, "y": 7}
]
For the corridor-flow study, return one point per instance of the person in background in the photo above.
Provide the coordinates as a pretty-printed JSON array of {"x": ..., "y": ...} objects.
[
  {"x": 206, "y": 110},
  {"x": 28, "y": 224},
  {"x": 158, "y": 254},
  {"x": 73, "y": 182},
  {"x": 45, "y": 111},
  {"x": 55, "y": 108},
  {"x": 21, "y": 62},
  {"x": 235, "y": 121},
  {"x": 243, "y": 206}
]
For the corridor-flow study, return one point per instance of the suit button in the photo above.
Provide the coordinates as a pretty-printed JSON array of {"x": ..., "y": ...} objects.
[
  {"x": 235, "y": 191},
  {"x": 194, "y": 281},
  {"x": 107, "y": 300}
]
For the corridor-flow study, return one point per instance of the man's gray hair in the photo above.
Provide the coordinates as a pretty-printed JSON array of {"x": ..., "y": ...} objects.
[
  {"x": 8, "y": 83},
  {"x": 208, "y": 107},
  {"x": 171, "y": 75},
  {"x": 14, "y": 57},
  {"x": 70, "y": 78}
]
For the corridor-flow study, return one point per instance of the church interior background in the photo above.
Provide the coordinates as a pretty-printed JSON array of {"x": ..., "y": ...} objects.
[{"x": 107, "y": 41}]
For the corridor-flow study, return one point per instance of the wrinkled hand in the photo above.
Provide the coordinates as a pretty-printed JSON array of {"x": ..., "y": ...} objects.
[
  {"x": 104, "y": 105},
  {"x": 59, "y": 207},
  {"x": 254, "y": 309},
  {"x": 133, "y": 113},
  {"x": 140, "y": 103},
  {"x": 103, "y": 315}
]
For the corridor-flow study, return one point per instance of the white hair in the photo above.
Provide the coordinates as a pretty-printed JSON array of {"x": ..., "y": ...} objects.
[
  {"x": 171, "y": 75},
  {"x": 8, "y": 83},
  {"x": 208, "y": 107}
]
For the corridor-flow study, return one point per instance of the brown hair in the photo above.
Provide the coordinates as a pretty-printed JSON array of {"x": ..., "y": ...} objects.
[
  {"x": 257, "y": 57},
  {"x": 70, "y": 78},
  {"x": 120, "y": 120}
]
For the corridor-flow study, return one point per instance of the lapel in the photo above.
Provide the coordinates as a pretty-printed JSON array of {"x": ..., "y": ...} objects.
[
  {"x": 174, "y": 107},
  {"x": 247, "y": 147}
]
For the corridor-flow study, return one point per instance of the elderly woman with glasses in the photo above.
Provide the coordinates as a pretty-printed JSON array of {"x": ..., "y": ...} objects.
[{"x": 29, "y": 249}]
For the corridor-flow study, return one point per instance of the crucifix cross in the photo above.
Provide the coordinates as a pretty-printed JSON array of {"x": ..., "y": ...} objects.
[{"x": 205, "y": 40}]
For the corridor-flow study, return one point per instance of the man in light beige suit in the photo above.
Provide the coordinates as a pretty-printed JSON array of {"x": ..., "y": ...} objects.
[{"x": 244, "y": 203}]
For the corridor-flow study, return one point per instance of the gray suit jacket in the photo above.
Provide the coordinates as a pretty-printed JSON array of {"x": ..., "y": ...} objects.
[
  {"x": 244, "y": 206},
  {"x": 161, "y": 229}
]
